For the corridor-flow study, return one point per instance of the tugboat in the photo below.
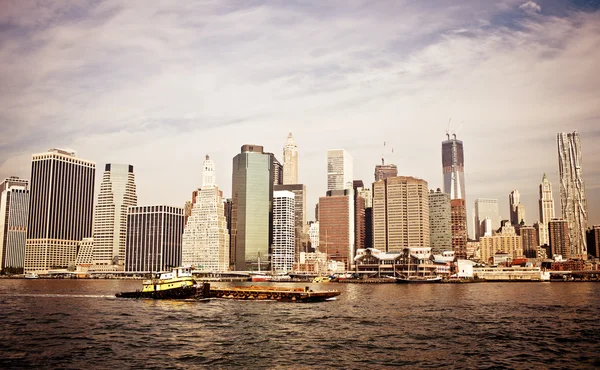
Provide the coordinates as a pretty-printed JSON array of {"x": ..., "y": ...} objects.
[{"x": 176, "y": 284}]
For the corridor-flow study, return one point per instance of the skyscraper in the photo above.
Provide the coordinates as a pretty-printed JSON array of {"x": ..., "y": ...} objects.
[
  {"x": 336, "y": 225},
  {"x": 284, "y": 229},
  {"x": 383, "y": 171},
  {"x": 276, "y": 169},
  {"x": 153, "y": 238},
  {"x": 546, "y": 209},
  {"x": 486, "y": 208},
  {"x": 61, "y": 205},
  {"x": 440, "y": 225},
  {"x": 458, "y": 217},
  {"x": 572, "y": 191},
  {"x": 117, "y": 193},
  {"x": 299, "y": 191},
  {"x": 558, "y": 236},
  {"x": 339, "y": 170},
  {"x": 290, "y": 161},
  {"x": 251, "y": 214},
  {"x": 453, "y": 164},
  {"x": 530, "y": 241},
  {"x": 205, "y": 241},
  {"x": 14, "y": 209},
  {"x": 400, "y": 214},
  {"x": 517, "y": 210}
]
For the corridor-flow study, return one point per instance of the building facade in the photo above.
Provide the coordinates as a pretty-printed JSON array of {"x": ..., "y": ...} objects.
[
  {"x": 593, "y": 241},
  {"x": 453, "y": 164},
  {"x": 558, "y": 236},
  {"x": 383, "y": 171},
  {"x": 546, "y": 209},
  {"x": 153, "y": 238},
  {"x": 14, "y": 209},
  {"x": 205, "y": 241},
  {"x": 400, "y": 214},
  {"x": 486, "y": 209},
  {"x": 572, "y": 191},
  {"x": 440, "y": 223},
  {"x": 339, "y": 170},
  {"x": 252, "y": 212},
  {"x": 336, "y": 226},
  {"x": 117, "y": 194},
  {"x": 290, "y": 161},
  {"x": 458, "y": 219},
  {"x": 506, "y": 241},
  {"x": 530, "y": 241},
  {"x": 61, "y": 209},
  {"x": 517, "y": 210},
  {"x": 299, "y": 191},
  {"x": 284, "y": 230}
]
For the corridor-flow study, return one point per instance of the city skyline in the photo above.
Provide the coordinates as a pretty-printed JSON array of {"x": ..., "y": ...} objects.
[{"x": 337, "y": 99}]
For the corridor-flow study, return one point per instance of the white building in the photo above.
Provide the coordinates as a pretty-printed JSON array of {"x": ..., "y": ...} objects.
[
  {"x": 14, "y": 209},
  {"x": 486, "y": 208},
  {"x": 339, "y": 170},
  {"x": 546, "y": 210},
  {"x": 205, "y": 242},
  {"x": 117, "y": 194},
  {"x": 290, "y": 161},
  {"x": 313, "y": 234},
  {"x": 282, "y": 255},
  {"x": 367, "y": 194}
]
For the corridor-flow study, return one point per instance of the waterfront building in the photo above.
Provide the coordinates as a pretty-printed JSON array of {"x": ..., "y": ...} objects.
[
  {"x": 572, "y": 191},
  {"x": 153, "y": 238},
  {"x": 205, "y": 241},
  {"x": 85, "y": 254},
  {"x": 486, "y": 209},
  {"x": 546, "y": 209},
  {"x": 61, "y": 209},
  {"x": 458, "y": 219},
  {"x": 400, "y": 214},
  {"x": 339, "y": 170},
  {"x": 117, "y": 194},
  {"x": 290, "y": 161},
  {"x": 336, "y": 226},
  {"x": 593, "y": 240},
  {"x": 383, "y": 171},
  {"x": 284, "y": 230},
  {"x": 558, "y": 235},
  {"x": 299, "y": 191},
  {"x": 14, "y": 209},
  {"x": 251, "y": 213},
  {"x": 440, "y": 225},
  {"x": 506, "y": 241},
  {"x": 517, "y": 210},
  {"x": 530, "y": 241},
  {"x": 313, "y": 234}
]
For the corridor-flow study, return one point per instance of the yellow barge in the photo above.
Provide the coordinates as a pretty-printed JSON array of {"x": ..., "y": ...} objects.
[{"x": 272, "y": 293}]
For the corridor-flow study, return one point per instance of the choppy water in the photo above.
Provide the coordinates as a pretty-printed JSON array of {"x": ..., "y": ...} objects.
[{"x": 79, "y": 324}]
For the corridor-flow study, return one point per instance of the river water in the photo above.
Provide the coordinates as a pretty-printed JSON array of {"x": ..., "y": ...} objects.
[{"x": 79, "y": 324}]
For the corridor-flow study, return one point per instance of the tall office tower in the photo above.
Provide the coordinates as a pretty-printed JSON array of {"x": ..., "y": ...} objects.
[
  {"x": 153, "y": 238},
  {"x": 61, "y": 209},
  {"x": 440, "y": 225},
  {"x": 506, "y": 241},
  {"x": 367, "y": 195},
  {"x": 486, "y": 209},
  {"x": 290, "y": 161},
  {"x": 546, "y": 209},
  {"x": 458, "y": 217},
  {"x": 572, "y": 191},
  {"x": 117, "y": 193},
  {"x": 593, "y": 240},
  {"x": 187, "y": 211},
  {"x": 85, "y": 254},
  {"x": 359, "y": 215},
  {"x": 517, "y": 209},
  {"x": 453, "y": 164},
  {"x": 400, "y": 214},
  {"x": 530, "y": 241},
  {"x": 251, "y": 213},
  {"x": 313, "y": 234},
  {"x": 277, "y": 170},
  {"x": 558, "y": 235},
  {"x": 205, "y": 241},
  {"x": 336, "y": 226},
  {"x": 299, "y": 191},
  {"x": 284, "y": 230},
  {"x": 339, "y": 170},
  {"x": 383, "y": 171},
  {"x": 14, "y": 208}
]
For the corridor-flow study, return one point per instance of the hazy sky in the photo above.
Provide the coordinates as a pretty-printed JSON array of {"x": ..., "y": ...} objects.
[{"x": 161, "y": 84}]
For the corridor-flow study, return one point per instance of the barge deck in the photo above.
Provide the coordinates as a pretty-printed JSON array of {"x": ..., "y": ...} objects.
[{"x": 282, "y": 294}]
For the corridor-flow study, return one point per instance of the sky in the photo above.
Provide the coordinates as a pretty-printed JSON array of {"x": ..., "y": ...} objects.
[{"x": 161, "y": 84}]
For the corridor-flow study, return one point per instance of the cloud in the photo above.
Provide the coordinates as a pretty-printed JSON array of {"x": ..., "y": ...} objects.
[
  {"x": 531, "y": 7},
  {"x": 160, "y": 86}
]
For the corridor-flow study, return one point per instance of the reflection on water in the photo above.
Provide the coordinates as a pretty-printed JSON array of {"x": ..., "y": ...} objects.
[{"x": 79, "y": 324}]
